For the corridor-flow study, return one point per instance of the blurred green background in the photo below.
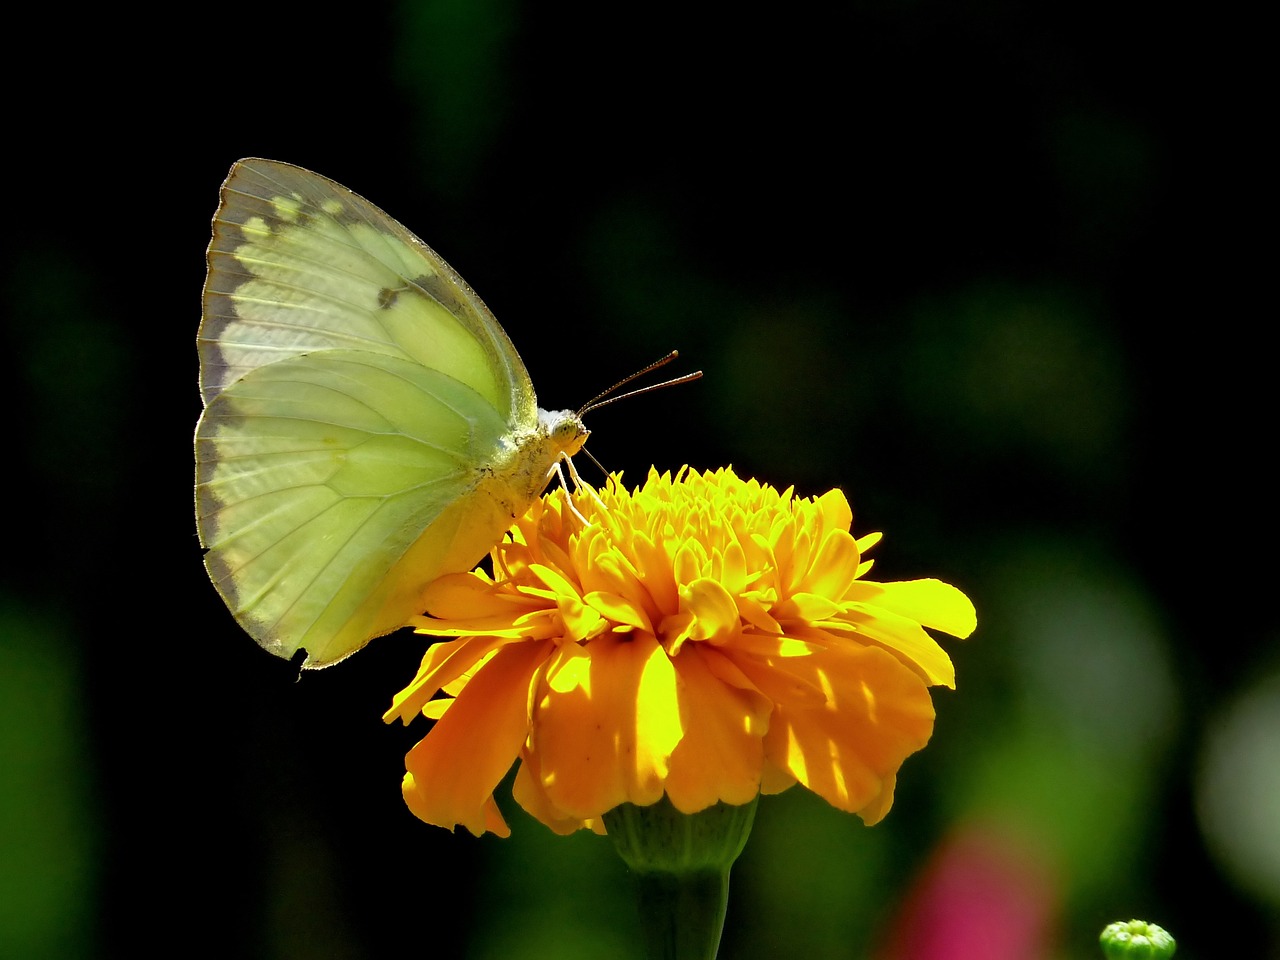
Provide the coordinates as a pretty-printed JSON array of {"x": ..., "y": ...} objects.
[{"x": 983, "y": 265}]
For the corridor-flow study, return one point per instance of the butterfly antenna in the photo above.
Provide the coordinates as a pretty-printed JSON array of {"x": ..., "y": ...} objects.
[{"x": 604, "y": 398}]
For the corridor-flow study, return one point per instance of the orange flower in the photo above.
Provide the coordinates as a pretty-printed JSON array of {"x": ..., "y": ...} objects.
[{"x": 704, "y": 636}]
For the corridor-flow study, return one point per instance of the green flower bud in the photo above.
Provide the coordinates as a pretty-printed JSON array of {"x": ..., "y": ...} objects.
[{"x": 1136, "y": 940}]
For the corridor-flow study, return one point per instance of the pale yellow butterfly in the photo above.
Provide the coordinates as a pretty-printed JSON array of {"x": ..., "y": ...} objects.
[{"x": 368, "y": 425}]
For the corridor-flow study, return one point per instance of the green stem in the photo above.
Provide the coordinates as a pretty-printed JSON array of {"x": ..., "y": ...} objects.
[
  {"x": 681, "y": 864},
  {"x": 683, "y": 913}
]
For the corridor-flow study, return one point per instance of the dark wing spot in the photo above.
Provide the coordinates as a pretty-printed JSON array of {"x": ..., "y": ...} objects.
[
  {"x": 443, "y": 291},
  {"x": 387, "y": 298}
]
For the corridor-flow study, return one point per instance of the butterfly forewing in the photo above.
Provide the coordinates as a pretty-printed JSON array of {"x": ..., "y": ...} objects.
[{"x": 299, "y": 263}]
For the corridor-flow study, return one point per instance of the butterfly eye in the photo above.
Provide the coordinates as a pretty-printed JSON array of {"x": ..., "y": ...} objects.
[{"x": 570, "y": 433}]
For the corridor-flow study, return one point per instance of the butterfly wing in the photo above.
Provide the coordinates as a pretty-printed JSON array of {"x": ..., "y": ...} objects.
[
  {"x": 357, "y": 396},
  {"x": 299, "y": 263}
]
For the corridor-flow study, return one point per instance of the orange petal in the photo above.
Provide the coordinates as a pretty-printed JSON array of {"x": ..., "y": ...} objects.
[
  {"x": 442, "y": 664},
  {"x": 416, "y": 800},
  {"x": 773, "y": 779},
  {"x": 876, "y": 714},
  {"x": 719, "y": 757},
  {"x": 456, "y": 766},
  {"x": 770, "y": 675},
  {"x": 605, "y": 722},
  {"x": 875, "y": 811},
  {"x": 530, "y": 794}
]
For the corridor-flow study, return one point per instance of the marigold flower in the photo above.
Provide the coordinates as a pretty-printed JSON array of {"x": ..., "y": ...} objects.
[{"x": 706, "y": 637}]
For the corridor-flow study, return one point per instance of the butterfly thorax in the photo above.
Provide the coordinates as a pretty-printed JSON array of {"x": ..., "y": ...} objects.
[{"x": 531, "y": 460}]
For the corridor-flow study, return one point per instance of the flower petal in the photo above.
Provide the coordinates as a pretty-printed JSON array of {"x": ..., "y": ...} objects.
[
  {"x": 713, "y": 608},
  {"x": 835, "y": 510},
  {"x": 452, "y": 771},
  {"x": 527, "y": 790},
  {"x": 876, "y": 714},
  {"x": 656, "y": 572},
  {"x": 901, "y": 635},
  {"x": 764, "y": 668},
  {"x": 930, "y": 602},
  {"x": 610, "y": 575},
  {"x": 442, "y": 664},
  {"x": 605, "y": 722},
  {"x": 834, "y": 566},
  {"x": 720, "y": 755}
]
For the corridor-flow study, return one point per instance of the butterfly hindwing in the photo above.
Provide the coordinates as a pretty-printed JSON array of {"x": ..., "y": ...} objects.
[{"x": 317, "y": 475}]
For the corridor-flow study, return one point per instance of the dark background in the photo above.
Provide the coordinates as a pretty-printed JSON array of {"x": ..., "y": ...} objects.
[{"x": 987, "y": 266}]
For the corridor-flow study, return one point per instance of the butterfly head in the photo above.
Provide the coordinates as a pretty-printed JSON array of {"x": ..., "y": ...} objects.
[{"x": 565, "y": 429}]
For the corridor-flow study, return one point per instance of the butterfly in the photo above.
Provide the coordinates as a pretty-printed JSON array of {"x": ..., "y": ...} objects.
[{"x": 367, "y": 424}]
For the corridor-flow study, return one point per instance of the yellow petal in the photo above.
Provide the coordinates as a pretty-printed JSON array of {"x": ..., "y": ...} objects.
[
  {"x": 713, "y": 608},
  {"x": 835, "y": 510},
  {"x": 516, "y": 623},
  {"x": 656, "y": 572},
  {"x": 613, "y": 575},
  {"x": 690, "y": 562},
  {"x": 435, "y": 709},
  {"x": 833, "y": 568},
  {"x": 807, "y": 608},
  {"x": 461, "y": 595},
  {"x": 619, "y": 610},
  {"x": 904, "y": 636},
  {"x": 755, "y": 613},
  {"x": 733, "y": 568},
  {"x": 580, "y": 621},
  {"x": 930, "y": 602}
]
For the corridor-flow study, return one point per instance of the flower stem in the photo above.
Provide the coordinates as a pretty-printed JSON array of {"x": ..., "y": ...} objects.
[
  {"x": 683, "y": 914},
  {"x": 681, "y": 864}
]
